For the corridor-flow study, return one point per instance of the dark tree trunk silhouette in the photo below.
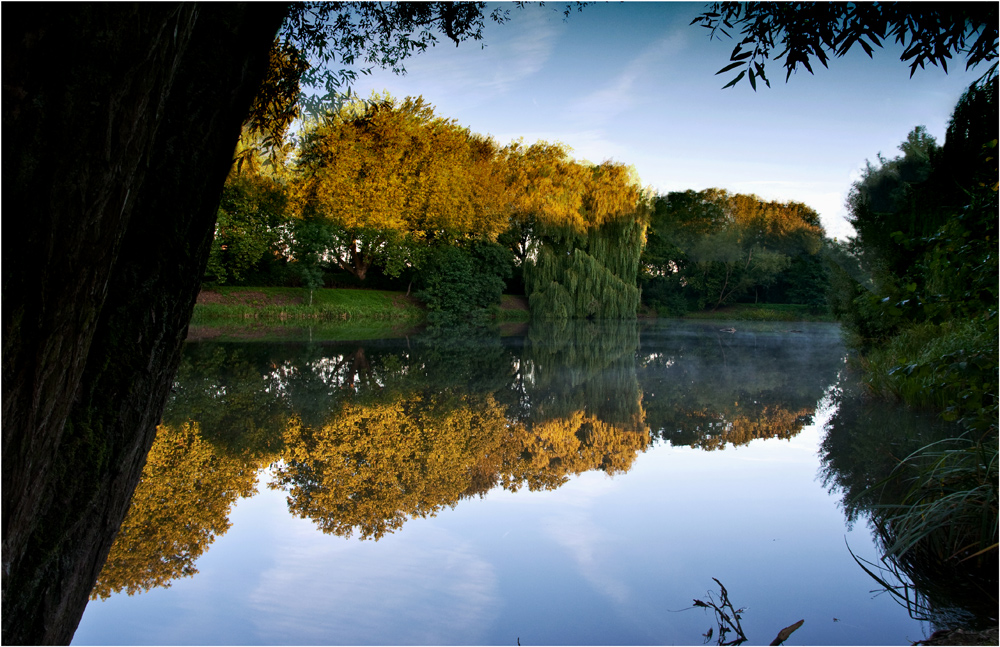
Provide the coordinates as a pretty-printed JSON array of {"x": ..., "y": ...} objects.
[{"x": 119, "y": 126}]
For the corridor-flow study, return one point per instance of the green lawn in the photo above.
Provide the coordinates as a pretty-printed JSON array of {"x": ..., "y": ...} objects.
[{"x": 284, "y": 304}]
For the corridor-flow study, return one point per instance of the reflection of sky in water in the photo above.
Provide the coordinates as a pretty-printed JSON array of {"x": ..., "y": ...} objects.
[{"x": 600, "y": 560}]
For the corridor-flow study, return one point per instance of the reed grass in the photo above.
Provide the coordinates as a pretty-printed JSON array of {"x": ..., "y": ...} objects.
[
  {"x": 941, "y": 536},
  {"x": 952, "y": 501}
]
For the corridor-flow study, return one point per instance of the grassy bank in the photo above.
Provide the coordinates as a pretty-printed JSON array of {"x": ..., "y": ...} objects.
[
  {"x": 330, "y": 308},
  {"x": 944, "y": 527},
  {"x": 292, "y": 305},
  {"x": 764, "y": 312},
  {"x": 283, "y": 306}
]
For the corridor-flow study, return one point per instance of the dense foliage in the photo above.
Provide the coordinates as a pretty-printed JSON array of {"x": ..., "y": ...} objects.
[
  {"x": 711, "y": 248},
  {"x": 465, "y": 280},
  {"x": 917, "y": 291},
  {"x": 248, "y": 229},
  {"x": 387, "y": 189}
]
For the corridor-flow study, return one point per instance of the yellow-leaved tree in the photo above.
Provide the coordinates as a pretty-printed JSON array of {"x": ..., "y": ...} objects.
[{"x": 388, "y": 177}]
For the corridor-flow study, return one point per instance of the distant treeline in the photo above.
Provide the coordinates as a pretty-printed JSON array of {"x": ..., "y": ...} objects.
[{"x": 385, "y": 194}]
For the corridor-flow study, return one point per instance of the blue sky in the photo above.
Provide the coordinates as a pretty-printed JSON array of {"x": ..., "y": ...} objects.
[{"x": 635, "y": 83}]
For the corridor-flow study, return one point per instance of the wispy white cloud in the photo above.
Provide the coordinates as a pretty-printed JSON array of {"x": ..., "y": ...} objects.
[
  {"x": 574, "y": 528},
  {"x": 365, "y": 593},
  {"x": 472, "y": 75},
  {"x": 627, "y": 88}
]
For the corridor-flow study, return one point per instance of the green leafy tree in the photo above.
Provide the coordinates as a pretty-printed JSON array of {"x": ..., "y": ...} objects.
[
  {"x": 726, "y": 267},
  {"x": 924, "y": 317},
  {"x": 925, "y": 228},
  {"x": 712, "y": 248},
  {"x": 310, "y": 240},
  {"x": 247, "y": 236}
]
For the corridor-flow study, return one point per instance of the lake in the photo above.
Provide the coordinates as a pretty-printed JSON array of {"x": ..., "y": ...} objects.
[{"x": 576, "y": 483}]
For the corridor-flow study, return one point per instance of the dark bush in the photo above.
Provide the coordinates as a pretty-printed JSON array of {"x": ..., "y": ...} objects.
[{"x": 464, "y": 281}]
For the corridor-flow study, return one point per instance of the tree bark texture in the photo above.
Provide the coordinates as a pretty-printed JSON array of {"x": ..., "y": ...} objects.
[{"x": 119, "y": 125}]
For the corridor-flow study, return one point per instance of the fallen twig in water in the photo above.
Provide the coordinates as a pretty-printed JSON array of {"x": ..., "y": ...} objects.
[{"x": 728, "y": 619}]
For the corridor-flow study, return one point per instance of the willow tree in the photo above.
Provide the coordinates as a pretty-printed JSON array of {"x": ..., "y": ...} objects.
[{"x": 589, "y": 225}]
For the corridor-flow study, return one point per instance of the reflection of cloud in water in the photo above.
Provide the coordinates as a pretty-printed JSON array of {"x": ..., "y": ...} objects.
[
  {"x": 421, "y": 590},
  {"x": 574, "y": 528}
]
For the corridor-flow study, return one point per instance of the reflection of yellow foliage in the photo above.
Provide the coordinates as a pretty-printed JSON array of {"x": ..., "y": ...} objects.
[
  {"x": 739, "y": 427},
  {"x": 180, "y": 506},
  {"x": 558, "y": 448},
  {"x": 374, "y": 466}
]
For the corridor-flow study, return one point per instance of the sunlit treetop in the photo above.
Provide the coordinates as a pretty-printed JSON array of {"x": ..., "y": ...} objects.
[
  {"x": 545, "y": 184},
  {"x": 393, "y": 165}
]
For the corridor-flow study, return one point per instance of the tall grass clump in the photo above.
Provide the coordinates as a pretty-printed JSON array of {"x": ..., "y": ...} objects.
[{"x": 942, "y": 533}]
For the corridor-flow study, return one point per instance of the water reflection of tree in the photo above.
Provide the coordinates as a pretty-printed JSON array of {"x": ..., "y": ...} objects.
[
  {"x": 365, "y": 436},
  {"x": 862, "y": 458},
  {"x": 584, "y": 366},
  {"x": 461, "y": 420},
  {"x": 553, "y": 450},
  {"x": 180, "y": 506},
  {"x": 707, "y": 388},
  {"x": 234, "y": 393},
  {"x": 378, "y": 463}
]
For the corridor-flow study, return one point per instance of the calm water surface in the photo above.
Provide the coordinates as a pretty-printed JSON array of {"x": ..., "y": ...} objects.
[{"x": 573, "y": 484}]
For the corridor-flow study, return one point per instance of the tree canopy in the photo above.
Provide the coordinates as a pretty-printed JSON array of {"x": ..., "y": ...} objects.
[
  {"x": 711, "y": 248},
  {"x": 388, "y": 175}
]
